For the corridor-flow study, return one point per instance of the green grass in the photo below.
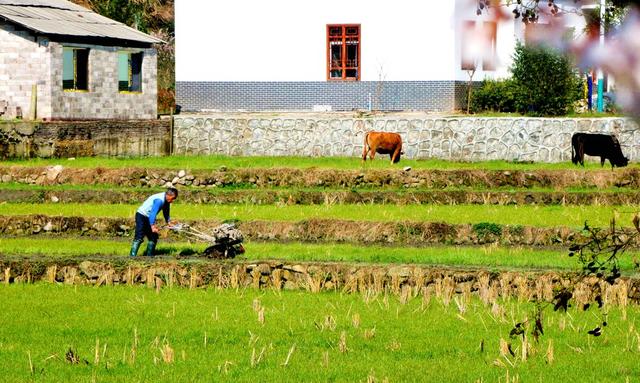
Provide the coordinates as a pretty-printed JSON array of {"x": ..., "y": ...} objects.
[
  {"x": 15, "y": 186},
  {"x": 540, "y": 216},
  {"x": 344, "y": 163},
  {"x": 214, "y": 333},
  {"x": 481, "y": 256},
  {"x": 488, "y": 113}
]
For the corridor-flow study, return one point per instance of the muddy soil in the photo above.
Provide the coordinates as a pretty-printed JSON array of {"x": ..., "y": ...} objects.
[
  {"x": 313, "y": 231},
  {"x": 332, "y": 178}
]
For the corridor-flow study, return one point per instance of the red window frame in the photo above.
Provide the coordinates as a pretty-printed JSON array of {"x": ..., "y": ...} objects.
[{"x": 342, "y": 66}]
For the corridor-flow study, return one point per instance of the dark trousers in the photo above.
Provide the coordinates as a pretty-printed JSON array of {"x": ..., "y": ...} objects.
[{"x": 143, "y": 229}]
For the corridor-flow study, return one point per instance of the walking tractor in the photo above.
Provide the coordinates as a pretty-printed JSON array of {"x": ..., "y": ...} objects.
[{"x": 225, "y": 240}]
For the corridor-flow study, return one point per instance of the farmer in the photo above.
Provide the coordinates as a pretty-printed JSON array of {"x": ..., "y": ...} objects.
[{"x": 146, "y": 220}]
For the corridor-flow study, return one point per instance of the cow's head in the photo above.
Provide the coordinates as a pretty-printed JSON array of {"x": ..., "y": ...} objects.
[{"x": 620, "y": 162}]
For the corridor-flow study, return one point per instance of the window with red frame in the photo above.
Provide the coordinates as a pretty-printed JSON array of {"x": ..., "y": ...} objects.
[{"x": 343, "y": 52}]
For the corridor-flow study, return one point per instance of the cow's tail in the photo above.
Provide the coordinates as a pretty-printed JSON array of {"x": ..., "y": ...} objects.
[{"x": 365, "y": 150}]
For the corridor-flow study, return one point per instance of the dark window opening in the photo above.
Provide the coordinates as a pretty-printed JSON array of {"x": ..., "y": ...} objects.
[
  {"x": 343, "y": 48},
  {"x": 130, "y": 72},
  {"x": 75, "y": 69}
]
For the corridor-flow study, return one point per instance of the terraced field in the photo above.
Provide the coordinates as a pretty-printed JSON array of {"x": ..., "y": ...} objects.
[{"x": 325, "y": 225}]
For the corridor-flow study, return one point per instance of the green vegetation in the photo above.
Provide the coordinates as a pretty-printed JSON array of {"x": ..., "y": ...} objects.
[
  {"x": 180, "y": 335},
  {"x": 543, "y": 83},
  {"x": 528, "y": 215},
  {"x": 14, "y": 186},
  {"x": 498, "y": 96},
  {"x": 484, "y": 229},
  {"x": 60, "y": 333},
  {"x": 341, "y": 163},
  {"x": 482, "y": 256},
  {"x": 545, "y": 80}
]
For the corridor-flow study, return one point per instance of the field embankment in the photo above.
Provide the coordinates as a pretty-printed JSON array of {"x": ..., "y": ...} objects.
[
  {"x": 405, "y": 233},
  {"x": 331, "y": 178},
  {"x": 316, "y": 277}
]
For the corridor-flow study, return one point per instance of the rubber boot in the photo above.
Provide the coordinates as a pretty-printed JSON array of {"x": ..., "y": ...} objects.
[
  {"x": 151, "y": 246},
  {"x": 135, "y": 245}
]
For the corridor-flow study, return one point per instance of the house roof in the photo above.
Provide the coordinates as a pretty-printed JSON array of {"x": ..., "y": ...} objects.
[{"x": 63, "y": 18}]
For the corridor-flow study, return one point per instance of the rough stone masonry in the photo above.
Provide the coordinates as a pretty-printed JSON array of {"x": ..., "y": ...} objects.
[{"x": 466, "y": 138}]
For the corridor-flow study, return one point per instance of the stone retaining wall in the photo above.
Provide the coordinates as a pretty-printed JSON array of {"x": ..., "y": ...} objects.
[
  {"x": 85, "y": 138},
  {"x": 405, "y": 281},
  {"x": 468, "y": 139}
]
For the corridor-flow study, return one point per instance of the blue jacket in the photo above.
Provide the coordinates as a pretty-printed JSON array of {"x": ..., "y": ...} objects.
[{"x": 152, "y": 205}]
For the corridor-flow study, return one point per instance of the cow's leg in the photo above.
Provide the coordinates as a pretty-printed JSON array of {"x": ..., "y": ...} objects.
[
  {"x": 581, "y": 155},
  {"x": 372, "y": 152},
  {"x": 602, "y": 160},
  {"x": 366, "y": 147},
  {"x": 395, "y": 155}
]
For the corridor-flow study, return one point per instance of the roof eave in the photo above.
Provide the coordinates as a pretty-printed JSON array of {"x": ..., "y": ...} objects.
[{"x": 41, "y": 33}]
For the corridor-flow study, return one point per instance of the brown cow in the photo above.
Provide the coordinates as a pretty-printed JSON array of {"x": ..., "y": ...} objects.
[{"x": 383, "y": 143}]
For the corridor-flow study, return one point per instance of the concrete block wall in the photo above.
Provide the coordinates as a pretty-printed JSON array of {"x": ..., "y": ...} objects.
[
  {"x": 24, "y": 62},
  {"x": 103, "y": 100},
  {"x": 467, "y": 139},
  {"x": 304, "y": 95}
]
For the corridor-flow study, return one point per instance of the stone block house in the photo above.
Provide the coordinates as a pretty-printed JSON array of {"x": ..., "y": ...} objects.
[{"x": 61, "y": 61}]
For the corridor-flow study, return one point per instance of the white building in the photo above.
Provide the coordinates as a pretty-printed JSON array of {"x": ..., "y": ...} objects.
[{"x": 342, "y": 55}]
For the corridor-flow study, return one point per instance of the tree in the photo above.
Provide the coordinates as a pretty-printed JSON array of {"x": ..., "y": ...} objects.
[{"x": 545, "y": 81}]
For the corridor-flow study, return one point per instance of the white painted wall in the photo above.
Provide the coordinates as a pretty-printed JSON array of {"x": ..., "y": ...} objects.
[
  {"x": 285, "y": 40},
  {"x": 509, "y": 31}
]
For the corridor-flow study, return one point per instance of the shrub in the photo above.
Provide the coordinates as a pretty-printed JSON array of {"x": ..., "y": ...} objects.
[
  {"x": 494, "y": 95},
  {"x": 545, "y": 81},
  {"x": 166, "y": 101},
  {"x": 486, "y": 229}
]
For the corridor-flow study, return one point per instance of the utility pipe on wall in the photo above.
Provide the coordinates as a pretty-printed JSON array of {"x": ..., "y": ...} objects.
[{"x": 600, "y": 74}]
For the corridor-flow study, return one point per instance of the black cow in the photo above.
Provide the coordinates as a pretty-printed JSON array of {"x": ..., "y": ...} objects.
[{"x": 599, "y": 145}]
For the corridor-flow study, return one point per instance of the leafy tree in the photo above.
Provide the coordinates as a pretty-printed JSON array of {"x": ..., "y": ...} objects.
[
  {"x": 545, "y": 81},
  {"x": 144, "y": 15}
]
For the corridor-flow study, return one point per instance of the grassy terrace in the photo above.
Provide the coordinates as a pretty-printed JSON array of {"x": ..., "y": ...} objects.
[
  {"x": 138, "y": 334},
  {"x": 540, "y": 216},
  {"x": 354, "y": 163},
  {"x": 10, "y": 186},
  {"x": 481, "y": 256}
]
